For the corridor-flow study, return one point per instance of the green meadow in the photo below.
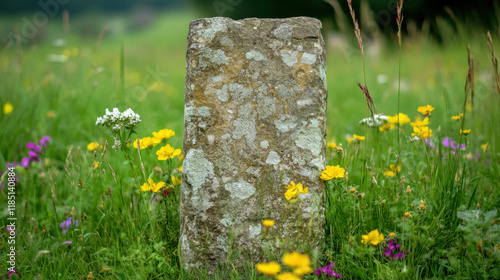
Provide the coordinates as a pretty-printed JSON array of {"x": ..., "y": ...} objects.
[{"x": 437, "y": 196}]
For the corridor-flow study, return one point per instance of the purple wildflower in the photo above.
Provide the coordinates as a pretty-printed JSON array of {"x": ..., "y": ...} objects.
[
  {"x": 44, "y": 140},
  {"x": 393, "y": 250},
  {"x": 429, "y": 143},
  {"x": 67, "y": 242},
  {"x": 31, "y": 146},
  {"x": 66, "y": 225},
  {"x": 12, "y": 271},
  {"x": 328, "y": 270},
  {"x": 449, "y": 143},
  {"x": 33, "y": 156},
  {"x": 9, "y": 229},
  {"x": 10, "y": 164},
  {"x": 25, "y": 162}
]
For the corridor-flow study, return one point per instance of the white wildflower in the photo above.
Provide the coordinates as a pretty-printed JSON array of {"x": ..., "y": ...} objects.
[
  {"x": 116, "y": 120},
  {"x": 376, "y": 121}
]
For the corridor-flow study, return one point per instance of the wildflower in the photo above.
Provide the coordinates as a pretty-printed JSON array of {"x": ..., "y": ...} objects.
[
  {"x": 425, "y": 110},
  {"x": 373, "y": 238},
  {"x": 465, "y": 132},
  {"x": 167, "y": 190},
  {"x": 376, "y": 121},
  {"x": 332, "y": 172},
  {"x": 12, "y": 270},
  {"x": 293, "y": 190},
  {"x": 422, "y": 132},
  {"x": 149, "y": 142},
  {"x": 44, "y": 141},
  {"x": 7, "y": 108},
  {"x": 270, "y": 268},
  {"x": 456, "y": 118},
  {"x": 350, "y": 140},
  {"x": 401, "y": 119},
  {"x": 382, "y": 202},
  {"x": 105, "y": 269},
  {"x": 421, "y": 206},
  {"x": 90, "y": 276},
  {"x": 25, "y": 162},
  {"x": 353, "y": 190},
  {"x": 359, "y": 138},
  {"x": 391, "y": 171},
  {"x": 449, "y": 143},
  {"x": 287, "y": 276},
  {"x": 176, "y": 181},
  {"x": 408, "y": 215},
  {"x": 268, "y": 223},
  {"x": 65, "y": 225},
  {"x": 328, "y": 270},
  {"x": 484, "y": 147},
  {"x": 116, "y": 120},
  {"x": 418, "y": 123},
  {"x": 408, "y": 190},
  {"x": 95, "y": 164},
  {"x": 139, "y": 142},
  {"x": 429, "y": 143},
  {"x": 67, "y": 242},
  {"x": 167, "y": 152},
  {"x": 387, "y": 126},
  {"x": 92, "y": 146},
  {"x": 301, "y": 263},
  {"x": 393, "y": 250},
  {"x": 163, "y": 134},
  {"x": 392, "y": 234},
  {"x": 151, "y": 186},
  {"x": 331, "y": 145}
]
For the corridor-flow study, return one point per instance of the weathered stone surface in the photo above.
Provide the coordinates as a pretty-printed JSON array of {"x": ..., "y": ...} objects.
[{"x": 255, "y": 120}]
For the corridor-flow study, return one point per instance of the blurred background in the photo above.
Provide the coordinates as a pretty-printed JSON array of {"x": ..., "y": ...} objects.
[{"x": 63, "y": 62}]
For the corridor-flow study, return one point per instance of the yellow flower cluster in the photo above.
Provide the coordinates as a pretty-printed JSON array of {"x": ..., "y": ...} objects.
[
  {"x": 167, "y": 152},
  {"x": 332, "y": 172},
  {"x": 294, "y": 190},
  {"x": 392, "y": 170},
  {"x": 146, "y": 142},
  {"x": 373, "y": 238},
  {"x": 456, "y": 118},
  {"x": 300, "y": 263},
  {"x": 151, "y": 186},
  {"x": 401, "y": 119},
  {"x": 92, "y": 146},
  {"x": 425, "y": 110}
]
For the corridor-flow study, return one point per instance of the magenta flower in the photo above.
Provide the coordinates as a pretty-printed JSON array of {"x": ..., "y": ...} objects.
[
  {"x": 25, "y": 162},
  {"x": 449, "y": 143},
  {"x": 328, "y": 270},
  {"x": 393, "y": 250},
  {"x": 35, "y": 148},
  {"x": 13, "y": 271},
  {"x": 44, "y": 141}
]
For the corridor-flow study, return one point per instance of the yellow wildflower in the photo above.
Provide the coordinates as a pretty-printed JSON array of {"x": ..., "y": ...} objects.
[
  {"x": 332, "y": 172},
  {"x": 7, "y": 108},
  {"x": 92, "y": 146},
  {"x": 141, "y": 143},
  {"x": 350, "y": 140},
  {"x": 485, "y": 146},
  {"x": 373, "y": 238},
  {"x": 301, "y": 263},
  {"x": 425, "y": 110},
  {"x": 151, "y": 186},
  {"x": 167, "y": 152},
  {"x": 105, "y": 269},
  {"x": 331, "y": 145},
  {"x": 419, "y": 123},
  {"x": 176, "y": 181},
  {"x": 408, "y": 215},
  {"x": 391, "y": 171},
  {"x": 401, "y": 119},
  {"x": 293, "y": 190},
  {"x": 90, "y": 276},
  {"x": 465, "y": 132},
  {"x": 163, "y": 134},
  {"x": 287, "y": 276},
  {"x": 387, "y": 126},
  {"x": 456, "y": 118},
  {"x": 95, "y": 164},
  {"x": 353, "y": 190},
  {"x": 270, "y": 268},
  {"x": 149, "y": 142},
  {"x": 422, "y": 132},
  {"x": 392, "y": 234},
  {"x": 268, "y": 223},
  {"x": 359, "y": 138}
]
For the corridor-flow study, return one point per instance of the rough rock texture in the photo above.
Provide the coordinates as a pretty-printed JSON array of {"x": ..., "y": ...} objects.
[{"x": 255, "y": 120}]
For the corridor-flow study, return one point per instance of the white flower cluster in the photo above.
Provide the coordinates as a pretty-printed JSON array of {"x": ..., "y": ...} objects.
[
  {"x": 376, "y": 121},
  {"x": 116, "y": 120}
]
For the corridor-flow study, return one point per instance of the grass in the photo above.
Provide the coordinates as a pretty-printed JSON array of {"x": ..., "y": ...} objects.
[{"x": 136, "y": 234}]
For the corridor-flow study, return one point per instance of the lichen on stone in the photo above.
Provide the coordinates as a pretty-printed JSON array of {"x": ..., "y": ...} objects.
[
  {"x": 240, "y": 189},
  {"x": 273, "y": 158},
  {"x": 289, "y": 57}
]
